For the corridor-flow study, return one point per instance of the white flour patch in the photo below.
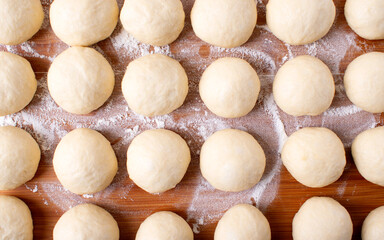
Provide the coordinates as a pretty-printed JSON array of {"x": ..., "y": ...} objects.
[
  {"x": 342, "y": 111},
  {"x": 341, "y": 189}
]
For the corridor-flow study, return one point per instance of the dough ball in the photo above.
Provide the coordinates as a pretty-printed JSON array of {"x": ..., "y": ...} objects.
[
  {"x": 373, "y": 226},
  {"x": 86, "y": 221},
  {"x": 229, "y": 87},
  {"x": 15, "y": 219},
  {"x": 83, "y": 22},
  {"x": 364, "y": 82},
  {"x": 157, "y": 160},
  {"x": 299, "y": 22},
  {"x": 155, "y": 85},
  {"x": 80, "y": 80},
  {"x": 17, "y": 81},
  {"x": 224, "y": 23},
  {"x": 19, "y": 157},
  {"x": 164, "y": 226},
  {"x": 304, "y": 86},
  {"x": 156, "y": 22},
  {"x": 232, "y": 160},
  {"x": 20, "y": 20},
  {"x": 322, "y": 218},
  {"x": 366, "y": 18},
  {"x": 84, "y": 161},
  {"x": 314, "y": 156},
  {"x": 243, "y": 222}
]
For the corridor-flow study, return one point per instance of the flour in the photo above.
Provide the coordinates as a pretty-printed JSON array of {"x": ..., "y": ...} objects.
[{"x": 342, "y": 111}]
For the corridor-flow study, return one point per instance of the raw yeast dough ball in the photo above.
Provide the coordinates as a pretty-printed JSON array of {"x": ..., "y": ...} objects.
[{"x": 373, "y": 226}]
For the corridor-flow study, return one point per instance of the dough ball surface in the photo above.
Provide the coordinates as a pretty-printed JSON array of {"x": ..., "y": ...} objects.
[
  {"x": 80, "y": 80},
  {"x": 84, "y": 161},
  {"x": 314, "y": 156},
  {"x": 155, "y": 85},
  {"x": 230, "y": 87},
  {"x": 322, "y": 218},
  {"x": 155, "y": 22},
  {"x": 232, "y": 160},
  {"x": 304, "y": 86},
  {"x": 364, "y": 82},
  {"x": 373, "y": 226},
  {"x": 18, "y": 83},
  {"x": 83, "y": 22},
  {"x": 299, "y": 22},
  {"x": 224, "y": 23},
  {"x": 243, "y": 222},
  {"x": 86, "y": 221}
]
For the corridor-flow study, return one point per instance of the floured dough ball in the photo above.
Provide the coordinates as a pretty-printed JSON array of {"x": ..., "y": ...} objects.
[
  {"x": 366, "y": 18},
  {"x": 80, "y": 80},
  {"x": 322, "y": 218},
  {"x": 243, "y": 222},
  {"x": 304, "y": 86},
  {"x": 373, "y": 226},
  {"x": 84, "y": 161},
  {"x": 157, "y": 160},
  {"x": 232, "y": 160},
  {"x": 224, "y": 23},
  {"x": 83, "y": 22},
  {"x": 18, "y": 83},
  {"x": 86, "y": 221},
  {"x": 155, "y": 85},
  {"x": 314, "y": 156},
  {"x": 164, "y": 226},
  {"x": 364, "y": 82},
  {"x": 299, "y": 22},
  {"x": 15, "y": 219},
  {"x": 155, "y": 22},
  {"x": 229, "y": 87}
]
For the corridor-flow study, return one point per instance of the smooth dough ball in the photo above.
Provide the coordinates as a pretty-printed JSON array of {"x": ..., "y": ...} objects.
[
  {"x": 155, "y": 22},
  {"x": 299, "y": 22},
  {"x": 224, "y": 23},
  {"x": 364, "y": 82},
  {"x": 322, "y": 218},
  {"x": 373, "y": 226},
  {"x": 243, "y": 222},
  {"x": 86, "y": 221},
  {"x": 17, "y": 81},
  {"x": 164, "y": 226},
  {"x": 84, "y": 161},
  {"x": 15, "y": 219},
  {"x": 304, "y": 86},
  {"x": 229, "y": 87},
  {"x": 157, "y": 160},
  {"x": 232, "y": 160},
  {"x": 20, "y": 20},
  {"x": 80, "y": 80},
  {"x": 83, "y": 22},
  {"x": 366, "y": 18},
  {"x": 314, "y": 156},
  {"x": 155, "y": 85}
]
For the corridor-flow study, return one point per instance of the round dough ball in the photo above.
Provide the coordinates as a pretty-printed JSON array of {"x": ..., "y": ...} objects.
[
  {"x": 157, "y": 160},
  {"x": 84, "y": 161},
  {"x": 366, "y": 18},
  {"x": 155, "y": 22},
  {"x": 83, "y": 22},
  {"x": 224, "y": 23},
  {"x": 373, "y": 226},
  {"x": 232, "y": 160},
  {"x": 304, "y": 86},
  {"x": 322, "y": 218},
  {"x": 314, "y": 156},
  {"x": 299, "y": 22},
  {"x": 243, "y": 222},
  {"x": 229, "y": 87},
  {"x": 15, "y": 218},
  {"x": 155, "y": 85},
  {"x": 20, "y": 20},
  {"x": 164, "y": 226},
  {"x": 17, "y": 81},
  {"x": 364, "y": 82},
  {"x": 86, "y": 221},
  {"x": 80, "y": 80}
]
